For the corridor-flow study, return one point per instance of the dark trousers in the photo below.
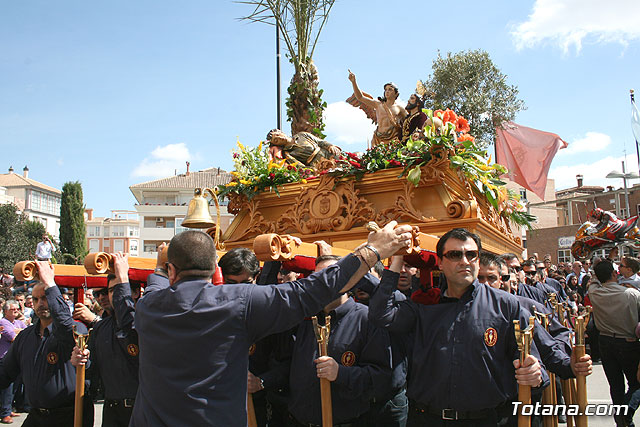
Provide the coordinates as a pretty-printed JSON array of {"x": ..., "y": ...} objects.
[
  {"x": 6, "y": 400},
  {"x": 60, "y": 417},
  {"x": 392, "y": 413},
  {"x": 116, "y": 414},
  {"x": 620, "y": 359}
]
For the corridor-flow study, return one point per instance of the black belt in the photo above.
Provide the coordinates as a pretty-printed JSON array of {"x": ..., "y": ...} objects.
[
  {"x": 298, "y": 423},
  {"x": 45, "y": 412},
  {"x": 452, "y": 414},
  {"x": 112, "y": 403}
]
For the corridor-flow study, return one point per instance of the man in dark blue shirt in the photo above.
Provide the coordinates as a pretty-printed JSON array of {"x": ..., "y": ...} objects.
[
  {"x": 195, "y": 337},
  {"x": 359, "y": 362},
  {"x": 113, "y": 349},
  {"x": 41, "y": 354},
  {"x": 465, "y": 363}
]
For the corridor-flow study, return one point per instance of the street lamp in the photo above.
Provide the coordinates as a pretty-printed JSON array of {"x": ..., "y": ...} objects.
[{"x": 625, "y": 177}]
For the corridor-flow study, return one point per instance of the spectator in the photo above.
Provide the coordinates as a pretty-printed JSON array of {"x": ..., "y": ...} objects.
[
  {"x": 11, "y": 327},
  {"x": 628, "y": 269},
  {"x": 45, "y": 249}
]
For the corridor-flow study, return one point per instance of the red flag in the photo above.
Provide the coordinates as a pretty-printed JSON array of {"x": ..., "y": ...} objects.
[{"x": 527, "y": 153}]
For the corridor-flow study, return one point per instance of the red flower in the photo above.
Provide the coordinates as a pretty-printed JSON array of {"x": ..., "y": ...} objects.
[
  {"x": 355, "y": 164},
  {"x": 438, "y": 113},
  {"x": 449, "y": 116},
  {"x": 394, "y": 163},
  {"x": 324, "y": 172},
  {"x": 272, "y": 175},
  {"x": 353, "y": 156},
  {"x": 462, "y": 125},
  {"x": 465, "y": 137}
]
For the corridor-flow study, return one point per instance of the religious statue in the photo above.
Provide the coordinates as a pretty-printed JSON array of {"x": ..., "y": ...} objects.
[
  {"x": 415, "y": 120},
  {"x": 303, "y": 149},
  {"x": 383, "y": 111}
]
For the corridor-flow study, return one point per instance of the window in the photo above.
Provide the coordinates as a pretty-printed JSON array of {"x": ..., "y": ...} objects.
[
  {"x": 523, "y": 194},
  {"x": 179, "y": 227},
  {"x": 94, "y": 231},
  {"x": 117, "y": 231},
  {"x": 133, "y": 246},
  {"x": 564, "y": 255},
  {"x": 150, "y": 247},
  {"x": 118, "y": 245},
  {"x": 94, "y": 245},
  {"x": 624, "y": 213},
  {"x": 134, "y": 231}
]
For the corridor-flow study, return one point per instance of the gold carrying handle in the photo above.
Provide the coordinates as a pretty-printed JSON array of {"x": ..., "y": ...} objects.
[
  {"x": 81, "y": 341},
  {"x": 322, "y": 336}
]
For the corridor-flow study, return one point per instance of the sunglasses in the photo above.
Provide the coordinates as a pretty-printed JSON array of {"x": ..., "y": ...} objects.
[
  {"x": 456, "y": 255},
  {"x": 517, "y": 268},
  {"x": 505, "y": 278},
  {"x": 530, "y": 273},
  {"x": 100, "y": 293}
]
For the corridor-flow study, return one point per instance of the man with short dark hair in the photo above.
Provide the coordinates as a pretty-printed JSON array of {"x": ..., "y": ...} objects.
[
  {"x": 628, "y": 269},
  {"x": 470, "y": 319},
  {"x": 615, "y": 311},
  {"x": 113, "y": 349},
  {"x": 45, "y": 249},
  {"x": 41, "y": 354},
  {"x": 198, "y": 335},
  {"x": 239, "y": 265},
  {"x": 357, "y": 364}
]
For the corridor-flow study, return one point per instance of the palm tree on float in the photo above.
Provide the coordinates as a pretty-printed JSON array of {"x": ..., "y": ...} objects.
[{"x": 296, "y": 20}]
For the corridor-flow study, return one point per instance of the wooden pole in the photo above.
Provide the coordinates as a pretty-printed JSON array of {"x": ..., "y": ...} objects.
[
  {"x": 523, "y": 339},
  {"x": 81, "y": 342},
  {"x": 568, "y": 399},
  {"x": 322, "y": 336},
  {"x": 581, "y": 380}
]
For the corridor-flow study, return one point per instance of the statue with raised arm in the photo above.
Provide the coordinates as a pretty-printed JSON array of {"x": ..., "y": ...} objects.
[
  {"x": 383, "y": 111},
  {"x": 303, "y": 149}
]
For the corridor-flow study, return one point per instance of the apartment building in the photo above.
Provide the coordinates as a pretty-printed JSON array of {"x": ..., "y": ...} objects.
[{"x": 118, "y": 233}]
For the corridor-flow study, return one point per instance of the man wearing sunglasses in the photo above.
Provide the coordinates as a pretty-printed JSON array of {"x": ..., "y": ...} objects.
[
  {"x": 464, "y": 364},
  {"x": 522, "y": 287}
]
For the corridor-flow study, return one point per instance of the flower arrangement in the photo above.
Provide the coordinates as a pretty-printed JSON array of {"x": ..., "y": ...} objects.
[{"x": 255, "y": 173}]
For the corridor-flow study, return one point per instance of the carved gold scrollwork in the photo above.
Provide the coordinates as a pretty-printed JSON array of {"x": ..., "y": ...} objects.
[
  {"x": 462, "y": 209},
  {"x": 257, "y": 223},
  {"x": 403, "y": 208},
  {"x": 326, "y": 207}
]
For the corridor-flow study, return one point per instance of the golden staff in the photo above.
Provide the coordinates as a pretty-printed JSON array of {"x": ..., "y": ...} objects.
[
  {"x": 581, "y": 380},
  {"x": 523, "y": 339},
  {"x": 549, "y": 393},
  {"x": 322, "y": 336},
  {"x": 81, "y": 342},
  {"x": 251, "y": 412}
]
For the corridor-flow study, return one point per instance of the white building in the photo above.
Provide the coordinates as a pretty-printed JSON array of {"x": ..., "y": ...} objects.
[
  {"x": 38, "y": 201},
  {"x": 162, "y": 205},
  {"x": 118, "y": 233}
]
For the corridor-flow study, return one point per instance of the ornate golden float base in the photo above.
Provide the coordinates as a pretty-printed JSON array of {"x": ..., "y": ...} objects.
[{"x": 337, "y": 209}]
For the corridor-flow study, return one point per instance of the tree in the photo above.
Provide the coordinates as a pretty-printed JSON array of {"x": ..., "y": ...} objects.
[
  {"x": 73, "y": 242},
  {"x": 300, "y": 23},
  {"x": 18, "y": 236},
  {"x": 471, "y": 85}
]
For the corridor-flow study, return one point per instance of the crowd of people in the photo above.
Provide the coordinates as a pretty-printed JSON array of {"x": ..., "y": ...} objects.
[{"x": 402, "y": 349}]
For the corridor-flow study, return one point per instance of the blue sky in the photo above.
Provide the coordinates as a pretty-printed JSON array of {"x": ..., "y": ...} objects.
[{"x": 116, "y": 93}]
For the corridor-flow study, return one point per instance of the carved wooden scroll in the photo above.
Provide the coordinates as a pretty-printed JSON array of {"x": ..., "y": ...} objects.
[
  {"x": 25, "y": 271},
  {"x": 98, "y": 263},
  {"x": 462, "y": 209}
]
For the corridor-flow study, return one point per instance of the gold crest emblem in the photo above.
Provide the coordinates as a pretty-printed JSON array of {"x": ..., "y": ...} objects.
[
  {"x": 52, "y": 358},
  {"x": 490, "y": 337},
  {"x": 348, "y": 358},
  {"x": 133, "y": 350}
]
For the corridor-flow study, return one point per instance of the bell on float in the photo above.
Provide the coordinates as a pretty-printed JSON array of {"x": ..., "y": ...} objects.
[{"x": 198, "y": 215}]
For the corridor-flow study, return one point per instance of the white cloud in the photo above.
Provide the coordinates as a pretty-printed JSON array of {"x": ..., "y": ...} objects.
[
  {"x": 594, "y": 173},
  {"x": 163, "y": 161},
  {"x": 568, "y": 23},
  {"x": 592, "y": 142},
  {"x": 347, "y": 124}
]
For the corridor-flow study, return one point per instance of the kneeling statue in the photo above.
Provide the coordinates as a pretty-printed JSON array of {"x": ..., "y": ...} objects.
[{"x": 303, "y": 149}]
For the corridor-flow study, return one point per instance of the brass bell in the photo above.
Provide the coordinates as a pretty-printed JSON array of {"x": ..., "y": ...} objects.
[{"x": 198, "y": 215}]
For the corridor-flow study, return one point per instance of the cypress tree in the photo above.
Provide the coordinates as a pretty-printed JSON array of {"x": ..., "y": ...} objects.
[{"x": 73, "y": 242}]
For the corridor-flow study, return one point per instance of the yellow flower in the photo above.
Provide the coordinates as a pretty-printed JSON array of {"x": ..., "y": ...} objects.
[
  {"x": 260, "y": 146},
  {"x": 240, "y": 145},
  {"x": 245, "y": 182},
  {"x": 304, "y": 181},
  {"x": 234, "y": 173},
  {"x": 232, "y": 184},
  {"x": 489, "y": 160}
]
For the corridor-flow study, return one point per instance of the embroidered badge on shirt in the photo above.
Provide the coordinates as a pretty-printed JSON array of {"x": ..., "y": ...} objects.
[
  {"x": 132, "y": 349},
  {"x": 52, "y": 358},
  {"x": 490, "y": 337},
  {"x": 348, "y": 358},
  {"x": 252, "y": 349}
]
